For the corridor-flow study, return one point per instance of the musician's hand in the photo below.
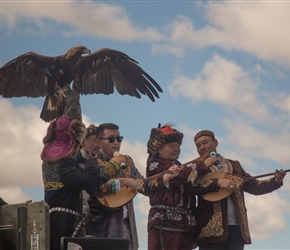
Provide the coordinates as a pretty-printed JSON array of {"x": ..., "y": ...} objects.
[
  {"x": 211, "y": 161},
  {"x": 119, "y": 159},
  {"x": 279, "y": 175},
  {"x": 172, "y": 172},
  {"x": 227, "y": 184},
  {"x": 136, "y": 184}
]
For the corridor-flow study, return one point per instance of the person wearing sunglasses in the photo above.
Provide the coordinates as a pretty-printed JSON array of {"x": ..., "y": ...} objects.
[{"x": 118, "y": 222}]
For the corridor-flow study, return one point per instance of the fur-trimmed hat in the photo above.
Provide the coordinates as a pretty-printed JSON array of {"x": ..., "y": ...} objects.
[
  {"x": 92, "y": 130},
  {"x": 63, "y": 137},
  {"x": 204, "y": 133},
  {"x": 160, "y": 136}
]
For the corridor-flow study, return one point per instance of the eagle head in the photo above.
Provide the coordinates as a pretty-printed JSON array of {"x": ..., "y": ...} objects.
[{"x": 77, "y": 51}]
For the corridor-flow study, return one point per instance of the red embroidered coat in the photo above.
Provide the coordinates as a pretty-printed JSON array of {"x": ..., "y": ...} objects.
[{"x": 180, "y": 194}]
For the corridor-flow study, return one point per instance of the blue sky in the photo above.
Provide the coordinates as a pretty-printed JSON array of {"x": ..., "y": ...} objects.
[{"x": 223, "y": 65}]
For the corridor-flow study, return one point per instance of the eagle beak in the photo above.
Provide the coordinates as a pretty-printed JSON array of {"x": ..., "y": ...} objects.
[{"x": 86, "y": 51}]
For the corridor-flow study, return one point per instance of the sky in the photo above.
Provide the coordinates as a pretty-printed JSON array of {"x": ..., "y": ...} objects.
[{"x": 222, "y": 65}]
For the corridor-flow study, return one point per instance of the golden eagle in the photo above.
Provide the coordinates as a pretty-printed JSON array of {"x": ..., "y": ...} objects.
[{"x": 35, "y": 75}]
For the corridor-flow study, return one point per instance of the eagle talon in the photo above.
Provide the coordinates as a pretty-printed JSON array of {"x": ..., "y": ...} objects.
[{"x": 63, "y": 90}]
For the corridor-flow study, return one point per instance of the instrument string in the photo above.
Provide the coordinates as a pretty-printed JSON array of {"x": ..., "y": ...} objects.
[{"x": 201, "y": 158}]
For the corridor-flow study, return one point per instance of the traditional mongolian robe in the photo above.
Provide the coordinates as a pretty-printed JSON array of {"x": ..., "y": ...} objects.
[
  {"x": 171, "y": 221},
  {"x": 212, "y": 217},
  {"x": 63, "y": 185},
  {"x": 110, "y": 223}
]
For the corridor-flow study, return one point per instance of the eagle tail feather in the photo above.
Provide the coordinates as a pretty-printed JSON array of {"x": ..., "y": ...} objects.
[{"x": 50, "y": 111}]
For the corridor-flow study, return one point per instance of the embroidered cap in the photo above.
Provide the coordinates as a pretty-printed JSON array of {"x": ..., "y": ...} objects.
[
  {"x": 92, "y": 130},
  {"x": 204, "y": 133}
]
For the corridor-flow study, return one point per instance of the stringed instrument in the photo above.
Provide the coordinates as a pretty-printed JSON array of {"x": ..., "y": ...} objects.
[
  {"x": 118, "y": 199},
  {"x": 126, "y": 194},
  {"x": 236, "y": 179}
]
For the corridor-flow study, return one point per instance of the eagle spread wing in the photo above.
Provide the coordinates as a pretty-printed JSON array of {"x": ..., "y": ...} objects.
[{"x": 35, "y": 75}]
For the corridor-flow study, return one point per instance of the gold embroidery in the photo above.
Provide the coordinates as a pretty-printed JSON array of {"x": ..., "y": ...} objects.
[
  {"x": 129, "y": 160},
  {"x": 243, "y": 212},
  {"x": 109, "y": 168},
  {"x": 214, "y": 226},
  {"x": 49, "y": 185},
  {"x": 234, "y": 178},
  {"x": 127, "y": 171},
  {"x": 128, "y": 163},
  {"x": 202, "y": 183},
  {"x": 153, "y": 182},
  {"x": 261, "y": 182}
]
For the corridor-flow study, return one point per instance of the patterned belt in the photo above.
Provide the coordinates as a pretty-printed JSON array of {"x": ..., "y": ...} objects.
[
  {"x": 174, "y": 210},
  {"x": 66, "y": 210},
  {"x": 170, "y": 229}
]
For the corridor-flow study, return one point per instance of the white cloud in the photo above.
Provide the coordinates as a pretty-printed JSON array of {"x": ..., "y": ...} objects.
[
  {"x": 266, "y": 214},
  {"x": 22, "y": 131},
  {"x": 14, "y": 195},
  {"x": 258, "y": 28},
  {"x": 80, "y": 19},
  {"x": 253, "y": 142},
  {"x": 222, "y": 82},
  {"x": 280, "y": 100}
]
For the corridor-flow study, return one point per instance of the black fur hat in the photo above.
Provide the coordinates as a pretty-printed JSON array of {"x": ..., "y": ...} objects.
[{"x": 160, "y": 136}]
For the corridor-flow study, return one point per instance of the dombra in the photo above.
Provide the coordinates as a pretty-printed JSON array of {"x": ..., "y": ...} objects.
[
  {"x": 118, "y": 199},
  {"x": 236, "y": 179}
]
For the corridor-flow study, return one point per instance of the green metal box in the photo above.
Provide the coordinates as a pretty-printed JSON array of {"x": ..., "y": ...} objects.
[{"x": 25, "y": 226}]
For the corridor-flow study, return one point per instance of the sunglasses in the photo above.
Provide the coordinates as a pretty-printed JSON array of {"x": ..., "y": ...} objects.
[{"x": 113, "y": 138}]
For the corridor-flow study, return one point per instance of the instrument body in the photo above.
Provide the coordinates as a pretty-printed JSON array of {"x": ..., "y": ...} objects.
[
  {"x": 118, "y": 199},
  {"x": 236, "y": 179},
  {"x": 222, "y": 193}
]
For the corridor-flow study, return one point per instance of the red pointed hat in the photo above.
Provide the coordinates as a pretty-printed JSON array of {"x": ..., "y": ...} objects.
[
  {"x": 63, "y": 137},
  {"x": 162, "y": 135},
  {"x": 167, "y": 130}
]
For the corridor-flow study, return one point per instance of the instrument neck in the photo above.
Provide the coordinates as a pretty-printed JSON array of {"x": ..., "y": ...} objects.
[{"x": 201, "y": 158}]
